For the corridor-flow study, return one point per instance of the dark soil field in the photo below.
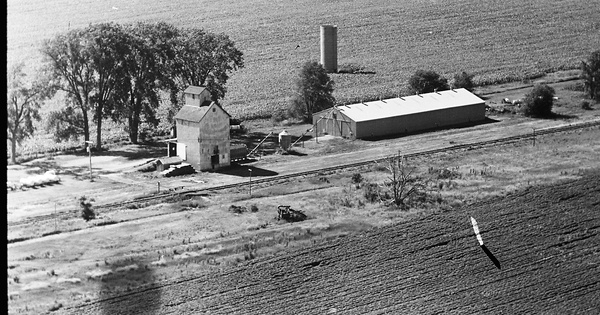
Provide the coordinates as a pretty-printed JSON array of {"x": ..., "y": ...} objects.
[{"x": 545, "y": 240}]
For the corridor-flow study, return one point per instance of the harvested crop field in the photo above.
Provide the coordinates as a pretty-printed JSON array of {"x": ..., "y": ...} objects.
[
  {"x": 497, "y": 42},
  {"x": 546, "y": 240}
]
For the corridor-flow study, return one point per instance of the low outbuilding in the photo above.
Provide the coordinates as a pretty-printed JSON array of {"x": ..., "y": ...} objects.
[{"x": 401, "y": 115}]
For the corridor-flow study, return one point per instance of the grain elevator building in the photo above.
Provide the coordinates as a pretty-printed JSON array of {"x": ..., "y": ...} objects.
[{"x": 203, "y": 138}]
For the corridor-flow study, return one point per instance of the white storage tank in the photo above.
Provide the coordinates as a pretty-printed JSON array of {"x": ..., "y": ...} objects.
[
  {"x": 329, "y": 47},
  {"x": 285, "y": 140}
]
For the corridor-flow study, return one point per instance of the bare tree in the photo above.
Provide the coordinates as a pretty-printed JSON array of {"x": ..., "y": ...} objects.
[{"x": 401, "y": 183}]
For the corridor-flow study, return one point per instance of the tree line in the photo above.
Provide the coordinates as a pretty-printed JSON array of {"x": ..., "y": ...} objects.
[
  {"x": 314, "y": 89},
  {"x": 120, "y": 72}
]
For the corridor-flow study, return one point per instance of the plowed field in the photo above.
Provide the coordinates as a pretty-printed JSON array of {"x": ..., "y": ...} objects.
[{"x": 546, "y": 240}]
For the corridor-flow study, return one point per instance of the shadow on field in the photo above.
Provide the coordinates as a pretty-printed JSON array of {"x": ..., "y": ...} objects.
[
  {"x": 129, "y": 289},
  {"x": 131, "y": 151},
  {"x": 491, "y": 256}
]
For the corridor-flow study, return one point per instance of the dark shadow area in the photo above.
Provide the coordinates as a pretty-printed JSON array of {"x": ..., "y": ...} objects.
[
  {"x": 141, "y": 151},
  {"x": 556, "y": 116},
  {"x": 293, "y": 152},
  {"x": 486, "y": 121},
  {"x": 491, "y": 256},
  {"x": 131, "y": 280},
  {"x": 356, "y": 72},
  {"x": 252, "y": 139},
  {"x": 243, "y": 171}
]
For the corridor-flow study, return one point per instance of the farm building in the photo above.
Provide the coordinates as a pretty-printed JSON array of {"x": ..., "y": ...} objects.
[
  {"x": 202, "y": 128},
  {"x": 402, "y": 115}
]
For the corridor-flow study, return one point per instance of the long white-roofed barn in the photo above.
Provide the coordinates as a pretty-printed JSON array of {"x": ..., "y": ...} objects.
[
  {"x": 401, "y": 115},
  {"x": 203, "y": 135}
]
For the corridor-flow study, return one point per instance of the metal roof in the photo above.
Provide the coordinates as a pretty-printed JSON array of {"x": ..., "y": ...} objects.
[
  {"x": 196, "y": 113},
  {"x": 409, "y": 105},
  {"x": 192, "y": 89}
]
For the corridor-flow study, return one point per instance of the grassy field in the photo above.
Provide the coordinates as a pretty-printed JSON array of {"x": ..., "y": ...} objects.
[{"x": 497, "y": 41}]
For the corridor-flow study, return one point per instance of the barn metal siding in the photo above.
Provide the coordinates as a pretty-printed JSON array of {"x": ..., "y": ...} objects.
[
  {"x": 420, "y": 121},
  {"x": 401, "y": 115},
  {"x": 334, "y": 123}
]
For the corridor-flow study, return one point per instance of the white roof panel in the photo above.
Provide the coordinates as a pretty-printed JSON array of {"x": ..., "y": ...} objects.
[{"x": 409, "y": 105}]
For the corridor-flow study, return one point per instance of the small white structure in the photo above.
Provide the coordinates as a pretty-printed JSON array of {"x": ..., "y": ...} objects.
[{"x": 285, "y": 140}]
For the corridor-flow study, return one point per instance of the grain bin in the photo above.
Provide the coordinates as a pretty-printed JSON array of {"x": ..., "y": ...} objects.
[
  {"x": 285, "y": 140},
  {"x": 329, "y": 47}
]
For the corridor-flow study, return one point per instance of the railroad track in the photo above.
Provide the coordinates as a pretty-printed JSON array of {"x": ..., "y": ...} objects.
[{"x": 182, "y": 192}]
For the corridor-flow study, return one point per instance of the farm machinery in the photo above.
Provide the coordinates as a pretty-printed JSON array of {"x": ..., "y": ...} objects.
[{"x": 289, "y": 214}]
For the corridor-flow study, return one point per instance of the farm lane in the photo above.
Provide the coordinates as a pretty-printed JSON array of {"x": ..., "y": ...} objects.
[{"x": 546, "y": 238}]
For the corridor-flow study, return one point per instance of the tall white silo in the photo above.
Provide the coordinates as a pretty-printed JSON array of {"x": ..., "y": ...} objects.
[{"x": 329, "y": 47}]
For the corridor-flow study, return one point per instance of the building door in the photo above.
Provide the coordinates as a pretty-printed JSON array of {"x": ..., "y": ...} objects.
[
  {"x": 181, "y": 151},
  {"x": 214, "y": 158}
]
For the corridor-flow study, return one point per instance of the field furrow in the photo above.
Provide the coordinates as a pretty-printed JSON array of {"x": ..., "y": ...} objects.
[{"x": 547, "y": 246}]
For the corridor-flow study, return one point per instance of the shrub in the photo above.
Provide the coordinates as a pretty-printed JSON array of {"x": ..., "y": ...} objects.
[
  {"x": 87, "y": 213},
  {"x": 590, "y": 73},
  {"x": 586, "y": 105},
  {"x": 426, "y": 81},
  {"x": 279, "y": 115},
  {"x": 253, "y": 208},
  {"x": 357, "y": 178},
  {"x": 463, "y": 80},
  {"x": 371, "y": 192},
  {"x": 538, "y": 102}
]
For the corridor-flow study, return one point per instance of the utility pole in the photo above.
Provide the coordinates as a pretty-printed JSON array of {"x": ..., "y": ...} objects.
[
  {"x": 533, "y": 136},
  {"x": 89, "y": 149},
  {"x": 250, "y": 170}
]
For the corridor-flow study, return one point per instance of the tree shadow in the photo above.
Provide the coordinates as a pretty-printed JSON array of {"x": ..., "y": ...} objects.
[
  {"x": 491, "y": 256},
  {"x": 139, "y": 151},
  {"x": 557, "y": 116},
  {"x": 130, "y": 279}
]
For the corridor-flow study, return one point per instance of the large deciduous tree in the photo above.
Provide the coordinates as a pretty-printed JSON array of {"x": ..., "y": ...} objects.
[
  {"x": 115, "y": 71},
  {"x": 23, "y": 101},
  {"x": 108, "y": 48},
  {"x": 69, "y": 60},
  {"x": 314, "y": 91},
  {"x": 590, "y": 73},
  {"x": 147, "y": 72},
  {"x": 206, "y": 59},
  {"x": 426, "y": 81}
]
